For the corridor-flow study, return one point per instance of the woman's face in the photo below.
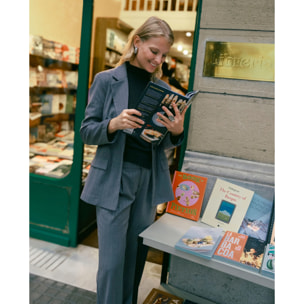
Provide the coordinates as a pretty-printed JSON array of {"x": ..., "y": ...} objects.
[{"x": 151, "y": 53}]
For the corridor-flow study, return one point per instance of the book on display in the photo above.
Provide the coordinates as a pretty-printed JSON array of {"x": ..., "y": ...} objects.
[
  {"x": 227, "y": 205},
  {"x": 189, "y": 191},
  {"x": 200, "y": 241}
]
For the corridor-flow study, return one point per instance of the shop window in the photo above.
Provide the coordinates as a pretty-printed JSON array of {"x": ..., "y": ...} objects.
[{"x": 53, "y": 79}]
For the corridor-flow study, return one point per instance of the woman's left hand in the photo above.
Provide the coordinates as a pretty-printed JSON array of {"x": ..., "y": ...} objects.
[{"x": 174, "y": 124}]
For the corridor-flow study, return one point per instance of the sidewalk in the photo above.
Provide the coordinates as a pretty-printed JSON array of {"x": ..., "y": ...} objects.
[
  {"x": 66, "y": 275},
  {"x": 46, "y": 291}
]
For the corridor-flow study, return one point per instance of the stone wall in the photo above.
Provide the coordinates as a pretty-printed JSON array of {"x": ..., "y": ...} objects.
[{"x": 231, "y": 117}]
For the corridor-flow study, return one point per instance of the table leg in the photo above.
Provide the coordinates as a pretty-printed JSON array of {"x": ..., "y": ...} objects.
[
  {"x": 165, "y": 266},
  {"x": 141, "y": 252}
]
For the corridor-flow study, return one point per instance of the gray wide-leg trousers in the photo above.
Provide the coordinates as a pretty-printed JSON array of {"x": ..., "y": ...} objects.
[{"x": 117, "y": 236}]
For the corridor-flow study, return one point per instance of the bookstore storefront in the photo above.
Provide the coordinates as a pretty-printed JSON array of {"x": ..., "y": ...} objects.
[
  {"x": 225, "y": 177},
  {"x": 63, "y": 59}
]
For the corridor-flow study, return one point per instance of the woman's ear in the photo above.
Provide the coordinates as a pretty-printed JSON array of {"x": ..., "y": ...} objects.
[{"x": 136, "y": 41}]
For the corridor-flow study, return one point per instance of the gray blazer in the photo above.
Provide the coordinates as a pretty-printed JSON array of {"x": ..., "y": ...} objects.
[{"x": 108, "y": 97}]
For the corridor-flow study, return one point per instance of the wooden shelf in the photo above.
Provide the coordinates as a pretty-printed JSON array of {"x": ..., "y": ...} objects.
[
  {"x": 46, "y": 90},
  {"x": 100, "y": 44},
  {"x": 114, "y": 50},
  {"x": 50, "y": 63}
]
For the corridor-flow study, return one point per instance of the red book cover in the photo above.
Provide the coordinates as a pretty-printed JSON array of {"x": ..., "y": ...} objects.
[
  {"x": 189, "y": 191},
  {"x": 231, "y": 246},
  {"x": 241, "y": 250}
]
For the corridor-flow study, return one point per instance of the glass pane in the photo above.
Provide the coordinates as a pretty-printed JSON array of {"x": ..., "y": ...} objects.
[{"x": 53, "y": 73}]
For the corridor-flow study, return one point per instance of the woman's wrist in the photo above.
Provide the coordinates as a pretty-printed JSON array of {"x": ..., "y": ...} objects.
[{"x": 111, "y": 126}]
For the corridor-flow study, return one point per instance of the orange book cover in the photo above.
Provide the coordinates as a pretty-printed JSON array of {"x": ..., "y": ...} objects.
[
  {"x": 231, "y": 246},
  {"x": 189, "y": 191}
]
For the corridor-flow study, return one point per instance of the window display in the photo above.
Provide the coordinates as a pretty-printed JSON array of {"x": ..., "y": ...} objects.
[{"x": 53, "y": 86}]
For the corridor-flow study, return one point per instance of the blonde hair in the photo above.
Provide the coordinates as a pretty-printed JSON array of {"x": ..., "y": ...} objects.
[{"x": 152, "y": 27}]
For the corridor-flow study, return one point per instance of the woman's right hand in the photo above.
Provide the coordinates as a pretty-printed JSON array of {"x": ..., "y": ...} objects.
[{"x": 127, "y": 119}]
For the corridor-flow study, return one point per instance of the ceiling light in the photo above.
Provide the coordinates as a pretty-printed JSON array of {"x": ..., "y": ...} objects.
[
  {"x": 179, "y": 47},
  {"x": 185, "y": 52},
  {"x": 188, "y": 34}
]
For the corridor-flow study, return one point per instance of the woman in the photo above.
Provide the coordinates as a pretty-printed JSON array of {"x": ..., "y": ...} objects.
[{"x": 128, "y": 177}]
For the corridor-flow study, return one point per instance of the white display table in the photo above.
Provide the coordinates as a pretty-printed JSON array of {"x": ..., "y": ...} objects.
[{"x": 165, "y": 232}]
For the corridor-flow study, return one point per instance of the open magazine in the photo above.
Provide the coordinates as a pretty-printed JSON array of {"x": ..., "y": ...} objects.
[{"x": 151, "y": 102}]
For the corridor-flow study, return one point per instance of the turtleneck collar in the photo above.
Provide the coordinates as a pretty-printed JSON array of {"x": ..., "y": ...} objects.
[{"x": 139, "y": 71}]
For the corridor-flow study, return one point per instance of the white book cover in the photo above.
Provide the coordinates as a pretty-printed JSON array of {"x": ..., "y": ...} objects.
[{"x": 227, "y": 205}]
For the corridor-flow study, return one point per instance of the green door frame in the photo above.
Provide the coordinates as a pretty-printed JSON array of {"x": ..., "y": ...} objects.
[{"x": 191, "y": 80}]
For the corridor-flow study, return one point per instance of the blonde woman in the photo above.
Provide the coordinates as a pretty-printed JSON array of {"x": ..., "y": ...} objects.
[{"x": 128, "y": 177}]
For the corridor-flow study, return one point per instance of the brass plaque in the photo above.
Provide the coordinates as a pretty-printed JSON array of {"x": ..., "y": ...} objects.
[{"x": 247, "y": 61}]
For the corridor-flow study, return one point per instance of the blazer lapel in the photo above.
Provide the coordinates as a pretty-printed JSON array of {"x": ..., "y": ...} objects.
[{"x": 120, "y": 88}]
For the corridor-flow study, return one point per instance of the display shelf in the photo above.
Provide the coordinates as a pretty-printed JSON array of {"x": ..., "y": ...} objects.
[
  {"x": 52, "y": 109},
  {"x": 164, "y": 234},
  {"x": 37, "y": 90},
  {"x": 37, "y": 60},
  {"x": 106, "y": 52},
  {"x": 113, "y": 50}
]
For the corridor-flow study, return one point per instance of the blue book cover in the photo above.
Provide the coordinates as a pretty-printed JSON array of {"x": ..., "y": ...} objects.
[
  {"x": 200, "y": 241},
  {"x": 257, "y": 219}
]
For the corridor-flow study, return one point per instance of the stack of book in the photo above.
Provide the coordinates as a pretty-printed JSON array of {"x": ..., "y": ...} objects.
[
  {"x": 53, "y": 49},
  {"x": 55, "y": 158}
]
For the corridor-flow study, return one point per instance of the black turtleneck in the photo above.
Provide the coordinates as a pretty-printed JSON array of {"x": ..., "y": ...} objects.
[{"x": 136, "y": 150}]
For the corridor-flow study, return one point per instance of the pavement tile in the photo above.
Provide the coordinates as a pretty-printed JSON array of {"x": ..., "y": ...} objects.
[{"x": 46, "y": 291}]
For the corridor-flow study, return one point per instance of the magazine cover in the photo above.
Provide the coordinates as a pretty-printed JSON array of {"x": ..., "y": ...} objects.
[
  {"x": 200, "y": 241},
  {"x": 151, "y": 102},
  {"x": 189, "y": 191}
]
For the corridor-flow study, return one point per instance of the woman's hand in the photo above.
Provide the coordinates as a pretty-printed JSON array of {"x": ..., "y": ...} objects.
[
  {"x": 127, "y": 119},
  {"x": 174, "y": 124}
]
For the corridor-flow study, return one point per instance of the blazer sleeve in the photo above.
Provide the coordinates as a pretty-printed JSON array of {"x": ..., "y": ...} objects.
[{"x": 94, "y": 127}]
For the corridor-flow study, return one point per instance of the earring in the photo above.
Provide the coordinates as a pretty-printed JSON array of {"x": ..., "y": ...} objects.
[{"x": 135, "y": 50}]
